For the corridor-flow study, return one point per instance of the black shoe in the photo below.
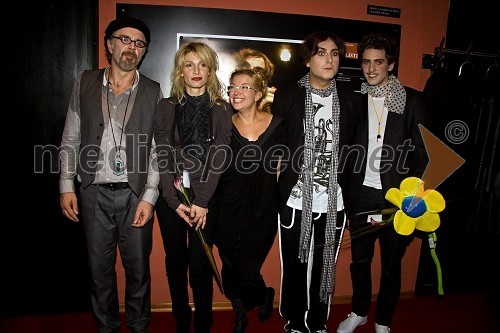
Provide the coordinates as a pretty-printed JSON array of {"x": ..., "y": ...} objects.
[
  {"x": 240, "y": 314},
  {"x": 241, "y": 324},
  {"x": 266, "y": 308}
]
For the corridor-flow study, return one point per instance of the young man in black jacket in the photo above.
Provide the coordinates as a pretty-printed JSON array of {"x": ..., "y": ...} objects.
[
  {"x": 392, "y": 149},
  {"x": 318, "y": 119}
]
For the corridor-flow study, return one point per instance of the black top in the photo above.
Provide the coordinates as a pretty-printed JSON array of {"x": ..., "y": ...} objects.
[
  {"x": 193, "y": 124},
  {"x": 248, "y": 195}
]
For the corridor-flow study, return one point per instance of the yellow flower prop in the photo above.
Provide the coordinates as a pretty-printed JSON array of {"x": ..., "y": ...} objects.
[{"x": 418, "y": 209}]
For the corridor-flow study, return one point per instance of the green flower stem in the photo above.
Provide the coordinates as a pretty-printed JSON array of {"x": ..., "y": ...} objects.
[
  {"x": 388, "y": 211},
  {"x": 432, "y": 246},
  {"x": 186, "y": 197},
  {"x": 372, "y": 227},
  {"x": 325, "y": 245},
  {"x": 365, "y": 230},
  {"x": 200, "y": 236}
]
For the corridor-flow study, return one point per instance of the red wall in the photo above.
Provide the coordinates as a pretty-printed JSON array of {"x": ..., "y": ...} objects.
[{"x": 423, "y": 24}]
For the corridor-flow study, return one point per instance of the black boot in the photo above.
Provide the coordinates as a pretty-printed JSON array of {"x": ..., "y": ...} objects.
[
  {"x": 241, "y": 316},
  {"x": 266, "y": 307}
]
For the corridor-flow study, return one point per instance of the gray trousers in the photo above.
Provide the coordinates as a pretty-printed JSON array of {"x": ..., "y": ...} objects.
[{"x": 107, "y": 217}]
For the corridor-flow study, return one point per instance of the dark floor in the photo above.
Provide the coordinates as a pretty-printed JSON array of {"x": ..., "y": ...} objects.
[{"x": 457, "y": 313}]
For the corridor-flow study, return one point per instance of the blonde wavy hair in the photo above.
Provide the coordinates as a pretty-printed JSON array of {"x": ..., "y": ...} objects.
[{"x": 214, "y": 86}]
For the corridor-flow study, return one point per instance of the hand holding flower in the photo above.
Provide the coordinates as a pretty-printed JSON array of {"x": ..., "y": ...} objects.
[
  {"x": 194, "y": 216},
  {"x": 183, "y": 211},
  {"x": 198, "y": 216}
]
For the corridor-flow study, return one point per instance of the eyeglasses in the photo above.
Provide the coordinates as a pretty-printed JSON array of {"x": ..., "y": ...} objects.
[
  {"x": 242, "y": 88},
  {"x": 127, "y": 41}
]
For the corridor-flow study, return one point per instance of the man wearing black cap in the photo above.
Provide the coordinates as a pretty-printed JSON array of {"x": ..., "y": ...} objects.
[{"x": 107, "y": 144}]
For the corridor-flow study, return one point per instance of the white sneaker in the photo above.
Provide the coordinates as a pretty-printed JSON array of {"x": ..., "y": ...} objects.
[
  {"x": 350, "y": 323},
  {"x": 382, "y": 329}
]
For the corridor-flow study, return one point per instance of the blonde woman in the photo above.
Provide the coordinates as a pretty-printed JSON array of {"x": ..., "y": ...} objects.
[
  {"x": 196, "y": 122},
  {"x": 248, "y": 199}
]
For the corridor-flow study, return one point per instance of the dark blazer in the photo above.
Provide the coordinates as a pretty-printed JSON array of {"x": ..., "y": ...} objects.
[
  {"x": 138, "y": 130},
  {"x": 289, "y": 103},
  {"x": 203, "y": 188},
  {"x": 400, "y": 163}
]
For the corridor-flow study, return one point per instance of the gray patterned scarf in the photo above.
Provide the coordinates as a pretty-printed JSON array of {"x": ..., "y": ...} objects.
[
  {"x": 328, "y": 269},
  {"x": 394, "y": 91}
]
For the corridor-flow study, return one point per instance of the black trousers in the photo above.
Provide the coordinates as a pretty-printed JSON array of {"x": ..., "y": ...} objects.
[
  {"x": 392, "y": 249},
  {"x": 184, "y": 255},
  {"x": 300, "y": 302},
  {"x": 241, "y": 276},
  {"x": 107, "y": 217}
]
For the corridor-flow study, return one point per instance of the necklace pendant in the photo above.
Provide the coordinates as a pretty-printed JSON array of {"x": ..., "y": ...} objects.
[
  {"x": 379, "y": 137},
  {"x": 119, "y": 166}
]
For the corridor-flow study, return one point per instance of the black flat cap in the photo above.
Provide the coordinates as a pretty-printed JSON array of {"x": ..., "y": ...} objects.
[{"x": 127, "y": 22}]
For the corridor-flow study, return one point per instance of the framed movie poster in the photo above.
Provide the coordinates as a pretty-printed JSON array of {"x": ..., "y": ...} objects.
[{"x": 276, "y": 35}]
